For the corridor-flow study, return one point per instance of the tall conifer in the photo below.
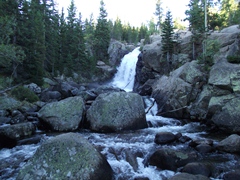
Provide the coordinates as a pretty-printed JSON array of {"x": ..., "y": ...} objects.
[
  {"x": 167, "y": 36},
  {"x": 102, "y": 35}
]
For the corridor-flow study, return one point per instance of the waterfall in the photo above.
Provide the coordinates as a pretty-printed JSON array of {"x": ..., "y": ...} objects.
[
  {"x": 125, "y": 75},
  {"x": 127, "y": 152}
]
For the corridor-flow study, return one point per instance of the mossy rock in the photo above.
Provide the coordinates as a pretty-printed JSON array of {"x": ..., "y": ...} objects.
[
  {"x": 117, "y": 111},
  {"x": 67, "y": 156},
  {"x": 64, "y": 115},
  {"x": 9, "y": 103}
]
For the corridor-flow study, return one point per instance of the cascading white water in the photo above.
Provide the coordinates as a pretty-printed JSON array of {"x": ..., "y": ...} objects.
[
  {"x": 126, "y": 151},
  {"x": 125, "y": 75}
]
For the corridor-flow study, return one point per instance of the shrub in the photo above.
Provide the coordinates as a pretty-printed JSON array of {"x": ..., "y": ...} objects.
[
  {"x": 212, "y": 47},
  {"x": 22, "y": 93},
  {"x": 234, "y": 59}
]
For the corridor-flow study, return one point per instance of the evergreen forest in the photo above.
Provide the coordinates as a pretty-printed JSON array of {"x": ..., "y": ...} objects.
[{"x": 37, "y": 41}]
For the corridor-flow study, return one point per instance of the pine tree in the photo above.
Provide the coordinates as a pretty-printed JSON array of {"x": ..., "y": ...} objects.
[
  {"x": 81, "y": 61},
  {"x": 37, "y": 50},
  {"x": 73, "y": 52},
  {"x": 117, "y": 30},
  {"x": 195, "y": 16},
  {"x": 159, "y": 13},
  {"x": 167, "y": 37},
  {"x": 51, "y": 22},
  {"x": 142, "y": 32},
  {"x": 62, "y": 55},
  {"x": 229, "y": 12},
  {"x": 134, "y": 35},
  {"x": 128, "y": 33},
  {"x": 152, "y": 28},
  {"x": 11, "y": 54},
  {"x": 71, "y": 39},
  {"x": 102, "y": 35},
  {"x": 89, "y": 35}
]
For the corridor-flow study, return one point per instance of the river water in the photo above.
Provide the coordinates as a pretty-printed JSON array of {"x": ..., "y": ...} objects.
[{"x": 126, "y": 152}]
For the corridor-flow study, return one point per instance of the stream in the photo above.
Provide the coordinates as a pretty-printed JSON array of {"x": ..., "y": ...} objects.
[{"x": 127, "y": 151}]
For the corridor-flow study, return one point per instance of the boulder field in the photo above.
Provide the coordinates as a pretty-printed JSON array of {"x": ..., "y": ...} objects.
[{"x": 185, "y": 88}]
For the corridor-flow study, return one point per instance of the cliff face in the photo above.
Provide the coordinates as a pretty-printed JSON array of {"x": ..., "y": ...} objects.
[{"x": 185, "y": 89}]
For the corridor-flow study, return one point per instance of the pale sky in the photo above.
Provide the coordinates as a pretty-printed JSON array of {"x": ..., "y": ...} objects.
[{"x": 133, "y": 11}]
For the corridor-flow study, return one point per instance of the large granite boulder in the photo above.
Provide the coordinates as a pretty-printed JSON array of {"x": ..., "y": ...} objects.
[
  {"x": 48, "y": 96},
  {"x": 105, "y": 72},
  {"x": 170, "y": 159},
  {"x": 186, "y": 176},
  {"x": 224, "y": 102},
  {"x": 8, "y": 103},
  {"x": 225, "y": 76},
  {"x": 230, "y": 144},
  {"x": 228, "y": 40},
  {"x": 117, "y": 111},
  {"x": 66, "y": 89},
  {"x": 228, "y": 117},
  {"x": 173, "y": 94},
  {"x": 65, "y": 115},
  {"x": 9, "y": 135},
  {"x": 116, "y": 51},
  {"x": 198, "y": 168},
  {"x": 151, "y": 58},
  {"x": 67, "y": 156}
]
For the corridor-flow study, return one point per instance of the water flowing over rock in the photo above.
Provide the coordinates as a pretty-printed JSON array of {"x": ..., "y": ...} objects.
[
  {"x": 125, "y": 76},
  {"x": 65, "y": 115},
  {"x": 117, "y": 111},
  {"x": 67, "y": 156}
]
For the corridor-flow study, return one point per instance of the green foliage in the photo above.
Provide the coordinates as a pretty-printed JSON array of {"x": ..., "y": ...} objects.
[
  {"x": 117, "y": 30},
  {"x": 195, "y": 16},
  {"x": 5, "y": 82},
  {"x": 143, "y": 32},
  {"x": 21, "y": 93},
  {"x": 234, "y": 59},
  {"x": 147, "y": 39},
  {"x": 10, "y": 54},
  {"x": 167, "y": 36},
  {"x": 230, "y": 12},
  {"x": 102, "y": 35},
  {"x": 212, "y": 47},
  {"x": 152, "y": 28},
  {"x": 178, "y": 24},
  {"x": 51, "y": 19},
  {"x": 221, "y": 13}
]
